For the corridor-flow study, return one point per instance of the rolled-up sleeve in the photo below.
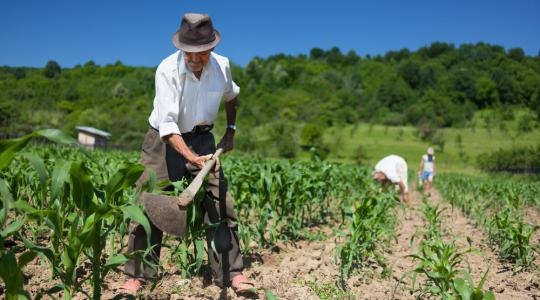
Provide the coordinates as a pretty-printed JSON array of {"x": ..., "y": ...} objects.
[
  {"x": 166, "y": 104},
  {"x": 231, "y": 88}
]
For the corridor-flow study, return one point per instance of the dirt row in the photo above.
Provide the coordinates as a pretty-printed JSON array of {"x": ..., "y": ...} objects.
[{"x": 501, "y": 279}]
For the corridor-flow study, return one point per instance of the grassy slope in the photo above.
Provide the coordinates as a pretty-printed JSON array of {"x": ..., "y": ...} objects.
[{"x": 383, "y": 140}]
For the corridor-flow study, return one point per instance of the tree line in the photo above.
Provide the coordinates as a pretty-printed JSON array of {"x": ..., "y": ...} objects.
[{"x": 440, "y": 85}]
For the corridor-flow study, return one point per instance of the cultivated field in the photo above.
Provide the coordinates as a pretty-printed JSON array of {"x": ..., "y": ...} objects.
[{"x": 308, "y": 230}]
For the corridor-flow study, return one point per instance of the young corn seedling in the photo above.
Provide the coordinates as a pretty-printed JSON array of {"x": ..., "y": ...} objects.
[
  {"x": 513, "y": 238},
  {"x": 368, "y": 226},
  {"x": 433, "y": 215},
  {"x": 190, "y": 252},
  {"x": 465, "y": 289},
  {"x": 439, "y": 262},
  {"x": 81, "y": 216},
  {"x": 11, "y": 268}
]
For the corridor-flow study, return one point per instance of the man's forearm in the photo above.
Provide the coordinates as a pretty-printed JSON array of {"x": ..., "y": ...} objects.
[
  {"x": 230, "y": 109},
  {"x": 402, "y": 187},
  {"x": 179, "y": 145}
]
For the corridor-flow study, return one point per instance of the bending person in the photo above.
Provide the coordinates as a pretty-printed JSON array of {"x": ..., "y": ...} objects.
[{"x": 393, "y": 170}]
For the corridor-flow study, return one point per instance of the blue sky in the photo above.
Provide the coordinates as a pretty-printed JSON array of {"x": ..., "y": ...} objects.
[{"x": 138, "y": 32}]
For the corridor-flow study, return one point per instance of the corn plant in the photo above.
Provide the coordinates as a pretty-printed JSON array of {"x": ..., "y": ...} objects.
[
  {"x": 513, "y": 238},
  {"x": 284, "y": 197},
  {"x": 11, "y": 269},
  {"x": 497, "y": 205},
  {"x": 79, "y": 213},
  {"x": 12, "y": 274},
  {"x": 465, "y": 289},
  {"x": 439, "y": 261},
  {"x": 369, "y": 225},
  {"x": 189, "y": 253},
  {"x": 433, "y": 214}
]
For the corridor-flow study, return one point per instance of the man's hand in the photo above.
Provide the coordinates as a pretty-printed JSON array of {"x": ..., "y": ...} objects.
[
  {"x": 227, "y": 142},
  {"x": 198, "y": 161},
  {"x": 405, "y": 197},
  {"x": 177, "y": 142}
]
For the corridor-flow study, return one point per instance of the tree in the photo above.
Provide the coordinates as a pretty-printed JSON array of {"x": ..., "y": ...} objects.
[
  {"x": 334, "y": 56},
  {"x": 463, "y": 82},
  {"x": 516, "y": 54},
  {"x": 351, "y": 58},
  {"x": 120, "y": 91},
  {"x": 486, "y": 92},
  {"x": 310, "y": 135},
  {"x": 19, "y": 73},
  {"x": 410, "y": 72},
  {"x": 435, "y": 49},
  {"x": 90, "y": 64},
  {"x": 397, "y": 56},
  {"x": 316, "y": 53},
  {"x": 52, "y": 69},
  {"x": 282, "y": 137},
  {"x": 429, "y": 75},
  {"x": 393, "y": 93},
  {"x": 506, "y": 86}
]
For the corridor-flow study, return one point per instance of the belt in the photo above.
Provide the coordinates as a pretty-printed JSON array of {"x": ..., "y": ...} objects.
[
  {"x": 202, "y": 128},
  {"x": 197, "y": 129}
]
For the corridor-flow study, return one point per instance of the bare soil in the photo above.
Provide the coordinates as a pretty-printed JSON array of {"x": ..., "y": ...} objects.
[{"x": 307, "y": 269}]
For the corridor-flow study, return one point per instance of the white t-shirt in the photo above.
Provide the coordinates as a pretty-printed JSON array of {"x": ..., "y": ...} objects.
[
  {"x": 428, "y": 165},
  {"x": 182, "y": 101},
  {"x": 395, "y": 169}
]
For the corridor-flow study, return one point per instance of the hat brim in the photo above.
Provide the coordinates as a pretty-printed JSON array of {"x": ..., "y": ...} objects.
[{"x": 195, "y": 48}]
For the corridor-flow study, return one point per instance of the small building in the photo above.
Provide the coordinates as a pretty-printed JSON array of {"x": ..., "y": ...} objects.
[{"x": 93, "y": 138}]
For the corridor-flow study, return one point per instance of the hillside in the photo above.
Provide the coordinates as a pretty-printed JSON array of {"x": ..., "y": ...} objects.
[{"x": 440, "y": 85}]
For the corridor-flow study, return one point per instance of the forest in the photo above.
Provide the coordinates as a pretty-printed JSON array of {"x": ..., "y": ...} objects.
[{"x": 291, "y": 96}]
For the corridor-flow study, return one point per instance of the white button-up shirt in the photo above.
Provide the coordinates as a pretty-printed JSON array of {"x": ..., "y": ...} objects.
[
  {"x": 395, "y": 169},
  {"x": 182, "y": 101}
]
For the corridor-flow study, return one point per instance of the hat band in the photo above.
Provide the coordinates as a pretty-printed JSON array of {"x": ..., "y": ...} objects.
[{"x": 199, "y": 41}]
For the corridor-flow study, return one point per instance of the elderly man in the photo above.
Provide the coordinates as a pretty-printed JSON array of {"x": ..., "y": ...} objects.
[
  {"x": 393, "y": 169},
  {"x": 190, "y": 84}
]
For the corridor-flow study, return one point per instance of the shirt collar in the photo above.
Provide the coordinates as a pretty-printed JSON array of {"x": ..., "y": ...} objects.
[{"x": 181, "y": 65}]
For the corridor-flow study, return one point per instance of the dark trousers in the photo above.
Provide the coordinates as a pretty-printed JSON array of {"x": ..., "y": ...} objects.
[{"x": 218, "y": 206}]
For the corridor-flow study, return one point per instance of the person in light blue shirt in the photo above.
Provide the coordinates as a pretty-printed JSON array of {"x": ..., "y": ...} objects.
[{"x": 427, "y": 170}]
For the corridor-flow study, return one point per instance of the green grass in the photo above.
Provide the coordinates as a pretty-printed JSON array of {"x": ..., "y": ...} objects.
[
  {"x": 327, "y": 290},
  {"x": 381, "y": 140}
]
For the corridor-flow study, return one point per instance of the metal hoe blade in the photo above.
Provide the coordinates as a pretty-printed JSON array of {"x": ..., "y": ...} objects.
[
  {"x": 165, "y": 213},
  {"x": 168, "y": 213}
]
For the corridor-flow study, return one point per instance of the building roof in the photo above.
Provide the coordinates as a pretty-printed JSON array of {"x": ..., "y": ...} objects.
[{"x": 93, "y": 131}]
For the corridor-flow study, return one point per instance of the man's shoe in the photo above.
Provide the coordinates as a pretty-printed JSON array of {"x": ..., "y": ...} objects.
[
  {"x": 241, "y": 285},
  {"x": 132, "y": 286}
]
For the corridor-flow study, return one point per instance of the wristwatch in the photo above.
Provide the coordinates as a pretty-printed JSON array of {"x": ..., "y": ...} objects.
[{"x": 232, "y": 126}]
